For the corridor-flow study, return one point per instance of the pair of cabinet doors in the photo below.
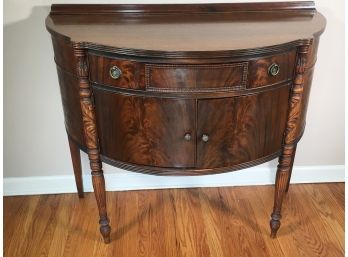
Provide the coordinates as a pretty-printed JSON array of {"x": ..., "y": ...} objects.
[{"x": 190, "y": 133}]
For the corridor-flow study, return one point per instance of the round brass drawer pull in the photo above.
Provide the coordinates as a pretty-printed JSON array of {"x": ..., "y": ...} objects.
[
  {"x": 187, "y": 136},
  {"x": 273, "y": 70},
  {"x": 115, "y": 72},
  {"x": 205, "y": 138}
]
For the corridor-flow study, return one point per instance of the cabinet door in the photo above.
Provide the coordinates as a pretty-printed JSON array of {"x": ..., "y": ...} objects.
[
  {"x": 237, "y": 130},
  {"x": 146, "y": 130}
]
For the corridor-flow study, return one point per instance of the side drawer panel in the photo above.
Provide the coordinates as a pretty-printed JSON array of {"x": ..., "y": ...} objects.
[
  {"x": 132, "y": 73},
  {"x": 259, "y": 75}
]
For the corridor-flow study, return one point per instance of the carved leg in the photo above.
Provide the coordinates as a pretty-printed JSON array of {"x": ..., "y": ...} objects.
[
  {"x": 76, "y": 161},
  {"x": 287, "y": 156},
  {"x": 283, "y": 173},
  {"x": 100, "y": 195},
  {"x": 291, "y": 165},
  {"x": 91, "y": 139}
]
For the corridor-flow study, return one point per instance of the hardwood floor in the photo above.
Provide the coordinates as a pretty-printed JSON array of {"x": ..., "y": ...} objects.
[{"x": 219, "y": 222}]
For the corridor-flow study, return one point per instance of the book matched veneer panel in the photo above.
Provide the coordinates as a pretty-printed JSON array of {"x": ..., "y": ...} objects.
[
  {"x": 145, "y": 130},
  {"x": 241, "y": 129}
]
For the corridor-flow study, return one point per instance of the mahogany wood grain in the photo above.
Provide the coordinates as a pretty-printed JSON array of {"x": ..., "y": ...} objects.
[
  {"x": 132, "y": 72},
  {"x": 69, "y": 91},
  {"x": 64, "y": 54},
  {"x": 189, "y": 32},
  {"x": 240, "y": 129},
  {"x": 196, "y": 95},
  {"x": 224, "y": 222},
  {"x": 259, "y": 74},
  {"x": 146, "y": 131},
  {"x": 76, "y": 161},
  {"x": 91, "y": 139},
  {"x": 289, "y": 140},
  {"x": 187, "y": 77}
]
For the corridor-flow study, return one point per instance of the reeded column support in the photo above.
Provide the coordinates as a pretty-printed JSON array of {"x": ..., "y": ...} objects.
[
  {"x": 289, "y": 140},
  {"x": 91, "y": 139}
]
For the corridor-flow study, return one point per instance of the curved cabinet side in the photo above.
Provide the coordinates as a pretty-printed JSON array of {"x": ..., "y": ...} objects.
[
  {"x": 312, "y": 56},
  {"x": 69, "y": 89}
]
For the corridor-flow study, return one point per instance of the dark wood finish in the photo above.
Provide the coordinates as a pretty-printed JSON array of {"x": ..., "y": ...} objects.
[
  {"x": 64, "y": 55},
  {"x": 196, "y": 95},
  {"x": 240, "y": 129},
  {"x": 69, "y": 91},
  {"x": 259, "y": 74},
  {"x": 290, "y": 168},
  {"x": 289, "y": 145},
  {"x": 211, "y": 77},
  {"x": 190, "y": 32},
  {"x": 76, "y": 161},
  {"x": 175, "y": 9},
  {"x": 203, "y": 222},
  {"x": 91, "y": 139},
  {"x": 146, "y": 131},
  {"x": 132, "y": 72}
]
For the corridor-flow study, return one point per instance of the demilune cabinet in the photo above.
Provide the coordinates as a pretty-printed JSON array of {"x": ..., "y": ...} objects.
[{"x": 185, "y": 89}]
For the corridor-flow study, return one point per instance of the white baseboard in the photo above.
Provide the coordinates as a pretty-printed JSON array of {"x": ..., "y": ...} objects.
[{"x": 132, "y": 181}]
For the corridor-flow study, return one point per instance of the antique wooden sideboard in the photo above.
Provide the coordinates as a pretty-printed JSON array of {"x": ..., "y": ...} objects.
[{"x": 185, "y": 89}]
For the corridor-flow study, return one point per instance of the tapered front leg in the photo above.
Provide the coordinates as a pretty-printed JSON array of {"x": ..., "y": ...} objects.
[
  {"x": 100, "y": 194},
  {"x": 291, "y": 133},
  {"x": 282, "y": 178},
  {"x": 91, "y": 139},
  {"x": 291, "y": 166},
  {"x": 76, "y": 161}
]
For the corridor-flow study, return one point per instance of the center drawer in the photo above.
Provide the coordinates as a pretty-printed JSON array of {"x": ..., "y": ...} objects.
[{"x": 169, "y": 77}]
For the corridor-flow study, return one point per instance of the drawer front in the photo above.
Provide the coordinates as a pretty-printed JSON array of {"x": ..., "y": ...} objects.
[
  {"x": 146, "y": 130},
  {"x": 256, "y": 73},
  {"x": 195, "y": 77},
  {"x": 115, "y": 72},
  {"x": 270, "y": 70}
]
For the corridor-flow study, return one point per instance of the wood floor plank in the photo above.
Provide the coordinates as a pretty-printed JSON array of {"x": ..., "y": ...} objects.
[
  {"x": 191, "y": 235},
  {"x": 17, "y": 221},
  {"x": 301, "y": 234},
  {"x": 324, "y": 207},
  {"x": 262, "y": 215},
  {"x": 207, "y": 222}
]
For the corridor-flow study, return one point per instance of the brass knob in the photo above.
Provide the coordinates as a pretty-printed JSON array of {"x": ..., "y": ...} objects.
[
  {"x": 187, "y": 136},
  {"x": 205, "y": 138},
  {"x": 115, "y": 72},
  {"x": 273, "y": 69}
]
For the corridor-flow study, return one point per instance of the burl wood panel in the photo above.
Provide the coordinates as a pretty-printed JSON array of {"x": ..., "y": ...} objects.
[
  {"x": 132, "y": 72},
  {"x": 241, "y": 129},
  {"x": 187, "y": 77},
  {"x": 69, "y": 90},
  {"x": 258, "y": 69},
  {"x": 145, "y": 130}
]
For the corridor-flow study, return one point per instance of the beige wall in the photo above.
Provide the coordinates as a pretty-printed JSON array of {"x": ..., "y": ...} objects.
[{"x": 35, "y": 142}]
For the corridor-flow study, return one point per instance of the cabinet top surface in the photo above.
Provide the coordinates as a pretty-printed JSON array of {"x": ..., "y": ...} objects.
[{"x": 186, "y": 28}]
